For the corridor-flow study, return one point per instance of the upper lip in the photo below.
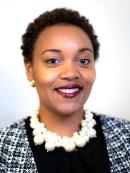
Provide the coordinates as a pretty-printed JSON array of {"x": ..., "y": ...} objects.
[{"x": 70, "y": 86}]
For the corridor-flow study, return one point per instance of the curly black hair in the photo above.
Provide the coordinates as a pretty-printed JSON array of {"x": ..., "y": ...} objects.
[{"x": 50, "y": 18}]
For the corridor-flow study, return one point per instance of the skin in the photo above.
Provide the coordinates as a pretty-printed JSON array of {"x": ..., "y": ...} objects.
[{"x": 63, "y": 55}]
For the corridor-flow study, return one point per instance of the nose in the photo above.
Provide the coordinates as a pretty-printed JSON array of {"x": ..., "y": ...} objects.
[{"x": 70, "y": 72}]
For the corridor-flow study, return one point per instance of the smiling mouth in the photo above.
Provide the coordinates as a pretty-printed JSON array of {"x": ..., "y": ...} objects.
[{"x": 69, "y": 91}]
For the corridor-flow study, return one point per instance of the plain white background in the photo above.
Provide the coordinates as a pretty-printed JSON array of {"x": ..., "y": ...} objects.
[{"x": 111, "y": 92}]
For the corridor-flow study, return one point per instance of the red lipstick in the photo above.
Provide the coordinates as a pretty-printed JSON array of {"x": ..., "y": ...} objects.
[{"x": 69, "y": 90}]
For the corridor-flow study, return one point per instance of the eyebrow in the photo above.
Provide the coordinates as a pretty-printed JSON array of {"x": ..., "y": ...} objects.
[
  {"x": 51, "y": 50},
  {"x": 58, "y": 50},
  {"x": 85, "y": 49}
]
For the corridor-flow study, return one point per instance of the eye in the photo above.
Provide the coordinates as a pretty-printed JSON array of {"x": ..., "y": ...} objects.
[
  {"x": 53, "y": 61},
  {"x": 84, "y": 61}
]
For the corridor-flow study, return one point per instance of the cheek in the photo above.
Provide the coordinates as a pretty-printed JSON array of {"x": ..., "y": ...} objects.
[
  {"x": 93, "y": 76},
  {"x": 90, "y": 77},
  {"x": 45, "y": 77}
]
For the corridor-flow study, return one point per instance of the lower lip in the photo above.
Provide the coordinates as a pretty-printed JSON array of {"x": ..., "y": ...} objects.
[{"x": 69, "y": 95}]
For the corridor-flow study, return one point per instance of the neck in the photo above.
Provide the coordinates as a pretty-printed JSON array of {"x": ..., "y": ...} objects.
[{"x": 62, "y": 125}]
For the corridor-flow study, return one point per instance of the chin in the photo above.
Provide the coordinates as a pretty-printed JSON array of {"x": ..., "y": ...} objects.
[{"x": 69, "y": 110}]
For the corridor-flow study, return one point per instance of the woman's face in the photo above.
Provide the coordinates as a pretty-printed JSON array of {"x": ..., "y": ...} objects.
[{"x": 63, "y": 69}]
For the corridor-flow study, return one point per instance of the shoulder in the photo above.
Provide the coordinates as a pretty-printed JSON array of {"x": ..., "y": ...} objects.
[
  {"x": 115, "y": 128},
  {"x": 112, "y": 124},
  {"x": 116, "y": 132},
  {"x": 15, "y": 130},
  {"x": 12, "y": 137}
]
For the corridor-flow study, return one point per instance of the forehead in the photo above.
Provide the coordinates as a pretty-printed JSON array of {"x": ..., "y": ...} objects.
[{"x": 62, "y": 34}]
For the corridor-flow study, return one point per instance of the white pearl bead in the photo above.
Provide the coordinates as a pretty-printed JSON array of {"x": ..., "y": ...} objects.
[
  {"x": 92, "y": 133},
  {"x": 50, "y": 146},
  {"x": 69, "y": 147},
  {"x": 38, "y": 139},
  {"x": 39, "y": 131},
  {"x": 80, "y": 142},
  {"x": 58, "y": 142},
  {"x": 83, "y": 123},
  {"x": 34, "y": 125}
]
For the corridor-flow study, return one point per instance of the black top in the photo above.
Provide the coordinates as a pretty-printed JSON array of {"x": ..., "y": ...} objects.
[{"x": 92, "y": 158}]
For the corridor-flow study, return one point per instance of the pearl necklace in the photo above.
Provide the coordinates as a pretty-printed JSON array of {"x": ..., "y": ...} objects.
[{"x": 52, "y": 140}]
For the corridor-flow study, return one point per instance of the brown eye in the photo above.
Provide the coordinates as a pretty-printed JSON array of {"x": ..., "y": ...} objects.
[
  {"x": 53, "y": 61},
  {"x": 84, "y": 61}
]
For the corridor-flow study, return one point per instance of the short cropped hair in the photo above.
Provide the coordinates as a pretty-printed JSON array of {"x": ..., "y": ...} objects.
[{"x": 54, "y": 17}]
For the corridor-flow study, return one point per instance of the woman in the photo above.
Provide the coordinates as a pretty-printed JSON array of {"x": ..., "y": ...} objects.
[{"x": 60, "y": 49}]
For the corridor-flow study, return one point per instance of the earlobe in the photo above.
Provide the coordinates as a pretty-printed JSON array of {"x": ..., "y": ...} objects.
[{"x": 29, "y": 73}]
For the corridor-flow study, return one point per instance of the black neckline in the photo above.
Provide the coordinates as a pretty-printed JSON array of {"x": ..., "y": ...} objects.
[{"x": 94, "y": 154}]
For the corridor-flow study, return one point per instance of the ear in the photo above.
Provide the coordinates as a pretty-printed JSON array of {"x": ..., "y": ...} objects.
[{"x": 29, "y": 73}]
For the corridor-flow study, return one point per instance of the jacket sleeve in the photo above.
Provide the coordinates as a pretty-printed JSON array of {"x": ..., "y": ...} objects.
[{"x": 117, "y": 137}]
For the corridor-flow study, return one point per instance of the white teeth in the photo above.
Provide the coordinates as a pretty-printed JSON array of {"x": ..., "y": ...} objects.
[{"x": 68, "y": 91}]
